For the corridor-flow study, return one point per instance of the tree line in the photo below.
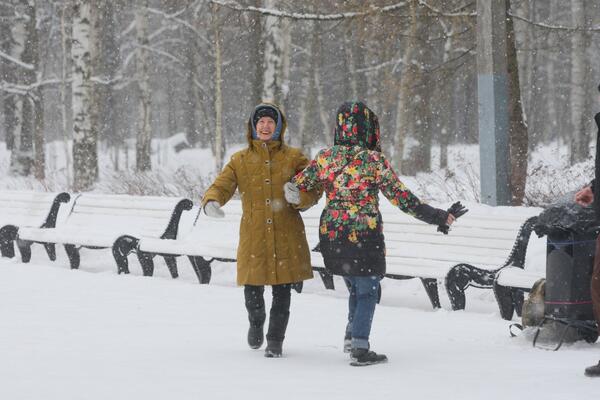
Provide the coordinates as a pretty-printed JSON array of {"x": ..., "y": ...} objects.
[{"x": 108, "y": 77}]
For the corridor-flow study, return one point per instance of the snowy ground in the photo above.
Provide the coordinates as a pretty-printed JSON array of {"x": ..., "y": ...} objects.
[{"x": 92, "y": 334}]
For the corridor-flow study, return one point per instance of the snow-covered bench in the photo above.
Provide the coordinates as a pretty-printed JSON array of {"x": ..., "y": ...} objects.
[
  {"x": 20, "y": 209},
  {"x": 470, "y": 255},
  {"x": 98, "y": 221}
]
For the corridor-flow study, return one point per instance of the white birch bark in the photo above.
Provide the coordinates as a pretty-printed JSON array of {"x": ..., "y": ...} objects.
[
  {"x": 143, "y": 161},
  {"x": 85, "y": 152},
  {"x": 64, "y": 38},
  {"x": 19, "y": 32},
  {"x": 273, "y": 58}
]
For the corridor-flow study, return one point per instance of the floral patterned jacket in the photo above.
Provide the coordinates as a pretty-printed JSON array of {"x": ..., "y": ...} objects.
[{"x": 352, "y": 172}]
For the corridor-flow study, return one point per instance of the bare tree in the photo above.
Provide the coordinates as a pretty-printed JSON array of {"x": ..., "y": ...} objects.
[
  {"x": 579, "y": 145},
  {"x": 85, "y": 141},
  {"x": 218, "y": 143},
  {"x": 21, "y": 158},
  {"x": 144, "y": 128},
  {"x": 518, "y": 135}
]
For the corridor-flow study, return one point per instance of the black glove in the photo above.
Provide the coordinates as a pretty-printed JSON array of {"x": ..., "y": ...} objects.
[{"x": 455, "y": 209}]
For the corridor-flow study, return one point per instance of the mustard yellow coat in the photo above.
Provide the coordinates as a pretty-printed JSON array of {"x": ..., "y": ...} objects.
[{"x": 272, "y": 248}]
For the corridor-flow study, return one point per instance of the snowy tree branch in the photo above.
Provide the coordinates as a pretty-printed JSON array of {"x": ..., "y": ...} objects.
[
  {"x": 554, "y": 27},
  {"x": 441, "y": 13},
  {"x": 180, "y": 21},
  {"x": 15, "y": 88},
  {"x": 309, "y": 16},
  {"x": 18, "y": 62}
]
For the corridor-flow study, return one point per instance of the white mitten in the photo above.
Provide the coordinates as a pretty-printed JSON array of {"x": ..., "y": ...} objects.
[
  {"x": 213, "y": 210},
  {"x": 291, "y": 193}
]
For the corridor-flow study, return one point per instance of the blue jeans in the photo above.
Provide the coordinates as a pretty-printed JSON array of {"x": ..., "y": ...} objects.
[{"x": 361, "y": 308}]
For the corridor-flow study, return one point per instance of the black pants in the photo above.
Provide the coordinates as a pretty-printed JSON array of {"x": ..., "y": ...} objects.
[{"x": 280, "y": 309}]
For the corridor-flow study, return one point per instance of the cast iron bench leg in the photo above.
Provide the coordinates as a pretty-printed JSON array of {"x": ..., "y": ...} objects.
[
  {"x": 430, "y": 285},
  {"x": 147, "y": 262},
  {"x": 25, "y": 250},
  {"x": 50, "y": 250},
  {"x": 327, "y": 279},
  {"x": 505, "y": 301},
  {"x": 122, "y": 247},
  {"x": 7, "y": 237},
  {"x": 172, "y": 265},
  {"x": 201, "y": 268},
  {"x": 73, "y": 254},
  {"x": 518, "y": 297}
]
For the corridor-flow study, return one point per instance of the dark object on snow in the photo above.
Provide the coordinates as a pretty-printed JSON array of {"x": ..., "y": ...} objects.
[
  {"x": 566, "y": 218},
  {"x": 593, "y": 371},
  {"x": 533, "y": 310},
  {"x": 569, "y": 265},
  {"x": 568, "y": 312},
  {"x": 456, "y": 209}
]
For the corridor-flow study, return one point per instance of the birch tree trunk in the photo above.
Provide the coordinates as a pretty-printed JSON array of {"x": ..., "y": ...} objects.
[
  {"x": 105, "y": 63},
  {"x": 256, "y": 55},
  {"x": 21, "y": 157},
  {"x": 317, "y": 51},
  {"x": 219, "y": 145},
  {"x": 85, "y": 142},
  {"x": 273, "y": 58},
  {"x": 65, "y": 39},
  {"x": 518, "y": 137},
  {"x": 303, "y": 138},
  {"x": 190, "y": 105},
  {"x": 143, "y": 149},
  {"x": 577, "y": 86},
  {"x": 8, "y": 72},
  {"x": 552, "y": 124},
  {"x": 39, "y": 141},
  {"x": 405, "y": 94},
  {"x": 286, "y": 45},
  {"x": 446, "y": 101}
]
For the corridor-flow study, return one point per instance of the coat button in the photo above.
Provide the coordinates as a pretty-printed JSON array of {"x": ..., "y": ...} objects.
[
  {"x": 268, "y": 201},
  {"x": 268, "y": 181},
  {"x": 264, "y": 144},
  {"x": 269, "y": 221},
  {"x": 267, "y": 162}
]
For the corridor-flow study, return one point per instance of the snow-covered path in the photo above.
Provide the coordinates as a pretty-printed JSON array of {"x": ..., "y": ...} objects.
[{"x": 79, "y": 335}]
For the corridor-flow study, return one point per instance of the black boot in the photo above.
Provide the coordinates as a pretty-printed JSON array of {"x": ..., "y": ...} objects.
[
  {"x": 593, "y": 371},
  {"x": 256, "y": 335},
  {"x": 274, "y": 349},
  {"x": 362, "y": 357},
  {"x": 255, "y": 305}
]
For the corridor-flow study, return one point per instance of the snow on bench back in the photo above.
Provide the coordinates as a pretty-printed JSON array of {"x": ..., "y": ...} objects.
[
  {"x": 483, "y": 237},
  {"x": 23, "y": 208},
  {"x": 121, "y": 214}
]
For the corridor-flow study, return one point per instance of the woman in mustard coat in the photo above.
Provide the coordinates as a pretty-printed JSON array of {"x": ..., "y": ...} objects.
[{"x": 272, "y": 247}]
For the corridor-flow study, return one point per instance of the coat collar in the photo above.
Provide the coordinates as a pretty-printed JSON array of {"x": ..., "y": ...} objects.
[{"x": 257, "y": 144}]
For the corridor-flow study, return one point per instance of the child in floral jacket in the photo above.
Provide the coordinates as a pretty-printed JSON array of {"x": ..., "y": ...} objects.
[{"x": 352, "y": 172}]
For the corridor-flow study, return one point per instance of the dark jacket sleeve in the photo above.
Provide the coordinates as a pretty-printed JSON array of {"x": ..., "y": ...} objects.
[
  {"x": 431, "y": 215},
  {"x": 592, "y": 183}
]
